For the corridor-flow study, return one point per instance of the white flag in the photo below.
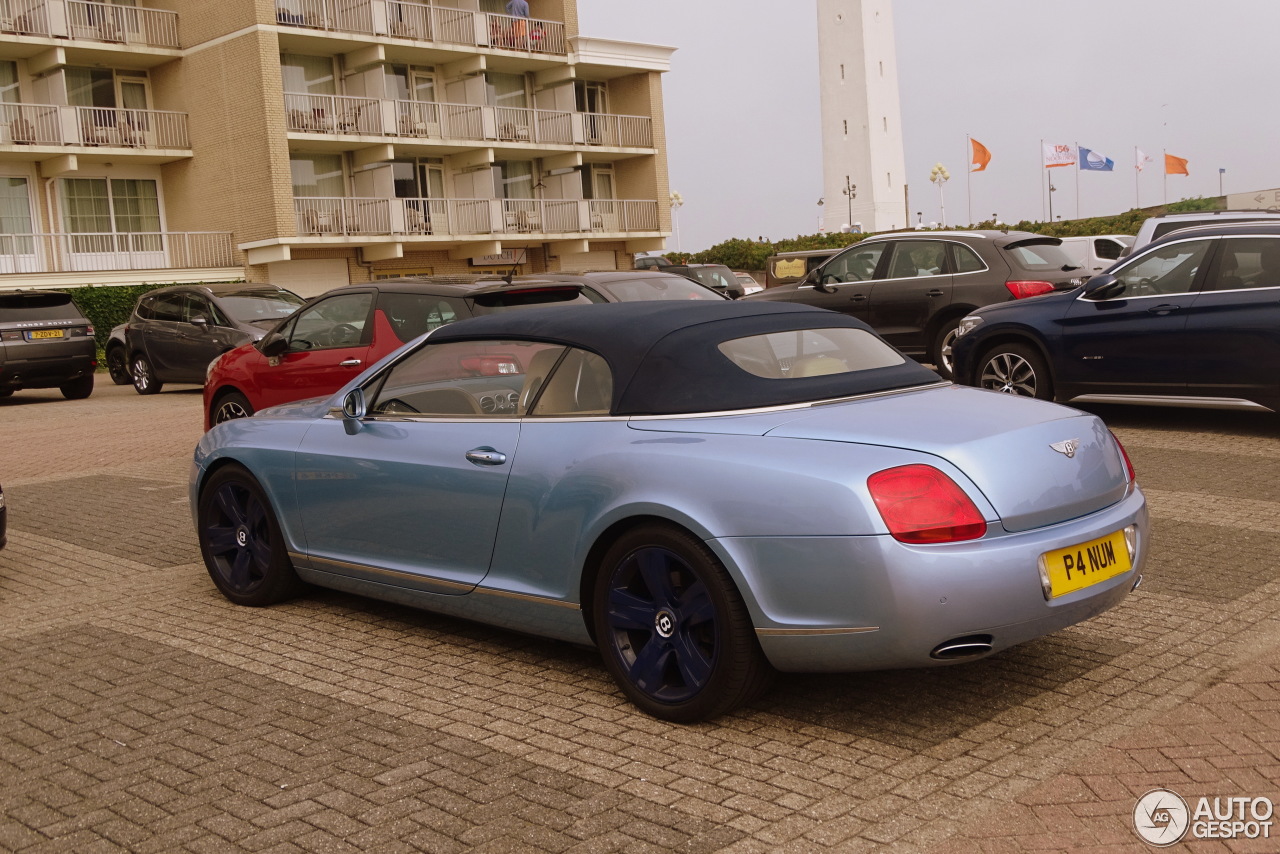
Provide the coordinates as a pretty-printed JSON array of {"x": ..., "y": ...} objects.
[
  {"x": 1140, "y": 158},
  {"x": 1059, "y": 155}
]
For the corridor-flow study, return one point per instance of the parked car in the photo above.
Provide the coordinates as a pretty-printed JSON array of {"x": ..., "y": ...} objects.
[
  {"x": 45, "y": 342},
  {"x": 651, "y": 262},
  {"x": 175, "y": 332},
  {"x": 716, "y": 276},
  {"x": 748, "y": 282},
  {"x": 342, "y": 332},
  {"x": 788, "y": 267},
  {"x": 913, "y": 288},
  {"x": 1094, "y": 254},
  {"x": 1155, "y": 227},
  {"x": 705, "y": 491},
  {"x": 1192, "y": 320}
]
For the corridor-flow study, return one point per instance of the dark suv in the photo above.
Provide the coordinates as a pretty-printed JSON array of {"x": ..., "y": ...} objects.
[
  {"x": 176, "y": 332},
  {"x": 716, "y": 276},
  {"x": 913, "y": 288},
  {"x": 45, "y": 342}
]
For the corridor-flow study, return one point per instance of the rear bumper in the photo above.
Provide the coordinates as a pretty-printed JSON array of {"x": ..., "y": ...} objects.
[
  {"x": 872, "y": 603},
  {"x": 48, "y": 372}
]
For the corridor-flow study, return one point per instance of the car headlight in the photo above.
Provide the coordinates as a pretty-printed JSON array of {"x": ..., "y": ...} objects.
[{"x": 967, "y": 325}]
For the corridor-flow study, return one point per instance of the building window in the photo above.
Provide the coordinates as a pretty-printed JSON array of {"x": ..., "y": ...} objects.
[
  {"x": 100, "y": 208},
  {"x": 308, "y": 75},
  {"x": 9, "y": 83},
  {"x": 15, "y": 219},
  {"x": 513, "y": 179},
  {"x": 317, "y": 175}
]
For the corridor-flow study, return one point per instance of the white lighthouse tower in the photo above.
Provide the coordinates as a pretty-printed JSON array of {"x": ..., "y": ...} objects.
[{"x": 863, "y": 166}]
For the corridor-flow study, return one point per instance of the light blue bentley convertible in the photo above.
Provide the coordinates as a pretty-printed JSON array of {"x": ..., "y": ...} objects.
[{"x": 705, "y": 491}]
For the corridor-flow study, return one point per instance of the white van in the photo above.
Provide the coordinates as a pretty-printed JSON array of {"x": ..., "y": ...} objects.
[{"x": 1096, "y": 252}]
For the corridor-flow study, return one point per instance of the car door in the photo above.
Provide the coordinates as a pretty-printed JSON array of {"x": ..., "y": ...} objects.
[
  {"x": 1233, "y": 327},
  {"x": 1133, "y": 341},
  {"x": 413, "y": 498},
  {"x": 328, "y": 345},
  {"x": 917, "y": 283},
  {"x": 196, "y": 345},
  {"x": 163, "y": 335},
  {"x": 848, "y": 280}
]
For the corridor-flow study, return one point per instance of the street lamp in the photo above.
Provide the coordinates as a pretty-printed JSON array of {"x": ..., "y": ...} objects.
[
  {"x": 939, "y": 175},
  {"x": 1052, "y": 190},
  {"x": 677, "y": 202},
  {"x": 850, "y": 190},
  {"x": 821, "y": 224}
]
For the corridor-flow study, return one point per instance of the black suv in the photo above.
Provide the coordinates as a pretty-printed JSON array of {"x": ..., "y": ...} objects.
[
  {"x": 716, "y": 276},
  {"x": 45, "y": 342},
  {"x": 176, "y": 332},
  {"x": 913, "y": 288}
]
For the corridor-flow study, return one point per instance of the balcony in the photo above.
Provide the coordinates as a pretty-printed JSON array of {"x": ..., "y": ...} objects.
[
  {"x": 473, "y": 217},
  {"x": 55, "y": 125},
  {"x": 431, "y": 120},
  {"x": 159, "y": 250},
  {"x": 99, "y": 22},
  {"x": 425, "y": 22}
]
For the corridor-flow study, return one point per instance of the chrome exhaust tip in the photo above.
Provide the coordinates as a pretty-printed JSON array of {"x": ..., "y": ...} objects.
[
  {"x": 958, "y": 649},
  {"x": 1137, "y": 582}
]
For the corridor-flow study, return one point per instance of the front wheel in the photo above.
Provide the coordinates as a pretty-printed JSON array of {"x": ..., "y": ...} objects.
[
  {"x": 230, "y": 406},
  {"x": 241, "y": 542},
  {"x": 1015, "y": 368},
  {"x": 144, "y": 376},
  {"x": 672, "y": 629}
]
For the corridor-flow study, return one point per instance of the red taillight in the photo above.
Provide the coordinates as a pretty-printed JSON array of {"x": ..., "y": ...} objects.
[
  {"x": 1128, "y": 464},
  {"x": 1022, "y": 290},
  {"x": 922, "y": 505}
]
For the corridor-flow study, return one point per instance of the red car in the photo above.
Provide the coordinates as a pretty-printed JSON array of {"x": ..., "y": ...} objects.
[{"x": 333, "y": 338}]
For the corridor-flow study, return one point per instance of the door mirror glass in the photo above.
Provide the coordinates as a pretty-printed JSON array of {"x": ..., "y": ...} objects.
[{"x": 353, "y": 410}]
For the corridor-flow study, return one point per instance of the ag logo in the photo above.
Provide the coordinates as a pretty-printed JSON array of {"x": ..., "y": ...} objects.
[{"x": 1161, "y": 817}]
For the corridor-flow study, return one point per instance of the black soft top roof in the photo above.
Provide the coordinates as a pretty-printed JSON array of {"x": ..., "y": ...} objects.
[{"x": 665, "y": 358}]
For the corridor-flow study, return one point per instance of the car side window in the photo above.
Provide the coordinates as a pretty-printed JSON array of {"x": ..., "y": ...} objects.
[
  {"x": 196, "y": 306},
  {"x": 466, "y": 378},
  {"x": 857, "y": 264},
  {"x": 146, "y": 308},
  {"x": 412, "y": 315},
  {"x": 582, "y": 384},
  {"x": 339, "y": 321},
  {"x": 967, "y": 261},
  {"x": 170, "y": 307},
  {"x": 915, "y": 258},
  {"x": 1167, "y": 270},
  {"x": 1245, "y": 263}
]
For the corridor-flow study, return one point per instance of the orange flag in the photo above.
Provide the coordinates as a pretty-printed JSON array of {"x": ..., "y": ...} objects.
[
  {"x": 1175, "y": 165},
  {"x": 981, "y": 156}
]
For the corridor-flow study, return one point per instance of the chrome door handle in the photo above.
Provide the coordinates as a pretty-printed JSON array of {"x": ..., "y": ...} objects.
[
  {"x": 486, "y": 457},
  {"x": 1163, "y": 309},
  {"x": 857, "y": 297},
  {"x": 349, "y": 363},
  {"x": 934, "y": 293}
]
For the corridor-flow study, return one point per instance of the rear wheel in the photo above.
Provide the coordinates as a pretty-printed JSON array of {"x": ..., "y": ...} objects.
[
  {"x": 672, "y": 629},
  {"x": 144, "y": 377},
  {"x": 1015, "y": 368},
  {"x": 118, "y": 366},
  {"x": 77, "y": 389},
  {"x": 230, "y": 406},
  {"x": 241, "y": 542}
]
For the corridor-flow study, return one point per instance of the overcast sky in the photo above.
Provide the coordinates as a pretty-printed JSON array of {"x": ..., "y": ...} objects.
[{"x": 742, "y": 113}]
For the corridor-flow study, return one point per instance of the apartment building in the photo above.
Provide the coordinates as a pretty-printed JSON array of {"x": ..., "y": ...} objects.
[{"x": 313, "y": 143}]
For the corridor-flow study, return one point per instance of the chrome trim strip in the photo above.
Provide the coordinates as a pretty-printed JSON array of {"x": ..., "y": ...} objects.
[
  {"x": 788, "y": 406},
  {"x": 1176, "y": 401},
  {"x": 846, "y": 630},
  {"x": 465, "y": 588}
]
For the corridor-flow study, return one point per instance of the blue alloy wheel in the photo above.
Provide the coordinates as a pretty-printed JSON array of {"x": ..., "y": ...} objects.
[
  {"x": 241, "y": 542},
  {"x": 672, "y": 628}
]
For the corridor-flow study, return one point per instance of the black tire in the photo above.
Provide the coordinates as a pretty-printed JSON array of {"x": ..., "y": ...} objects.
[
  {"x": 77, "y": 389},
  {"x": 940, "y": 349},
  {"x": 229, "y": 406},
  {"x": 5, "y": 392},
  {"x": 1015, "y": 368},
  {"x": 144, "y": 376},
  {"x": 118, "y": 366},
  {"x": 241, "y": 542},
  {"x": 672, "y": 629}
]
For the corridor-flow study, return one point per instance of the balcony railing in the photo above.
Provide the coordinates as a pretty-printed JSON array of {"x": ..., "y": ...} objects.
[
  {"x": 80, "y": 19},
  {"x": 143, "y": 250},
  {"x": 376, "y": 216},
  {"x": 49, "y": 124},
  {"x": 340, "y": 114},
  {"x": 425, "y": 22}
]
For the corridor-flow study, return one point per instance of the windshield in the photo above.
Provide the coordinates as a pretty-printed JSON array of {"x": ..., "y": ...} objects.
[
  {"x": 1041, "y": 257},
  {"x": 715, "y": 277},
  {"x": 254, "y": 306},
  {"x": 655, "y": 288}
]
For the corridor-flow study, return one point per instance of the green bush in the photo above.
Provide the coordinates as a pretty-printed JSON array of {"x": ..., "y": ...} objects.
[{"x": 107, "y": 306}]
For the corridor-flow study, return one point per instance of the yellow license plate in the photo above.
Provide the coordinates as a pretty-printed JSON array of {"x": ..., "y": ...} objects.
[
  {"x": 1076, "y": 567},
  {"x": 46, "y": 333}
]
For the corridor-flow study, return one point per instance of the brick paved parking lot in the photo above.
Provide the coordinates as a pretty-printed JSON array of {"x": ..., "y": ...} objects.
[{"x": 142, "y": 712}]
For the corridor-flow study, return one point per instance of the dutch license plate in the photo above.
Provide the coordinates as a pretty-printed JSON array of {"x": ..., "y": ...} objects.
[
  {"x": 45, "y": 333},
  {"x": 1076, "y": 567}
]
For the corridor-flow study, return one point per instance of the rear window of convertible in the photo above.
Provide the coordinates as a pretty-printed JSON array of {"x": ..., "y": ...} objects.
[{"x": 810, "y": 353}]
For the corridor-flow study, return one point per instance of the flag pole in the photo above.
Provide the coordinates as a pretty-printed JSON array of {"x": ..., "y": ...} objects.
[{"x": 968, "y": 175}]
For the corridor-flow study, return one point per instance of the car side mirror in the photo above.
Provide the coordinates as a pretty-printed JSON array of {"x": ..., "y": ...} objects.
[
  {"x": 814, "y": 278},
  {"x": 201, "y": 321},
  {"x": 1103, "y": 287},
  {"x": 354, "y": 409},
  {"x": 272, "y": 344}
]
